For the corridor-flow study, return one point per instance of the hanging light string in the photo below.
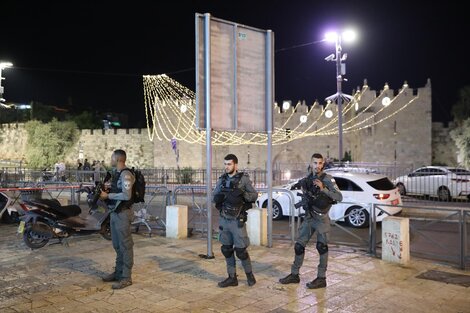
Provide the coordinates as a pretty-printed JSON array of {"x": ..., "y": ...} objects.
[{"x": 170, "y": 112}]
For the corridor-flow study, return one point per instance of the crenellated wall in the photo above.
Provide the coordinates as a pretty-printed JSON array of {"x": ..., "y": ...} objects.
[
  {"x": 402, "y": 133},
  {"x": 444, "y": 149}
]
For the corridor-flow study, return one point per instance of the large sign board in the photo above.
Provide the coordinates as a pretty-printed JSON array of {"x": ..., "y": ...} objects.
[{"x": 238, "y": 75}]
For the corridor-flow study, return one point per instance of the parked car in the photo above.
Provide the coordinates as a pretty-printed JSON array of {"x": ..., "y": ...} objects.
[
  {"x": 352, "y": 169},
  {"x": 359, "y": 191},
  {"x": 443, "y": 182}
]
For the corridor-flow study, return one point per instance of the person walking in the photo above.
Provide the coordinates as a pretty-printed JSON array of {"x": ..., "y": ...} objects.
[
  {"x": 119, "y": 200},
  {"x": 319, "y": 193},
  {"x": 233, "y": 195}
]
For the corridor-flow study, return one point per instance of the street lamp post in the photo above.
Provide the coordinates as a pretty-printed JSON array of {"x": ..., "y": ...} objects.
[
  {"x": 3, "y": 65},
  {"x": 340, "y": 72}
]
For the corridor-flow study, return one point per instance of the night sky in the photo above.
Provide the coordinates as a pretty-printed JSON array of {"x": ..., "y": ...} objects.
[{"x": 93, "y": 54}]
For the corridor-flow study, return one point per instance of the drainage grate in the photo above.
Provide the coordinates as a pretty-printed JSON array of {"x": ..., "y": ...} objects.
[{"x": 448, "y": 278}]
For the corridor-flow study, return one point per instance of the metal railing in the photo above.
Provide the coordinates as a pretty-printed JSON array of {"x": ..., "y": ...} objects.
[
  {"x": 292, "y": 216},
  {"x": 151, "y": 210},
  {"x": 454, "y": 220}
]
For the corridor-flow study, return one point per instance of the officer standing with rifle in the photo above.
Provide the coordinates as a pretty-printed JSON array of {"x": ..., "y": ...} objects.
[
  {"x": 119, "y": 200},
  {"x": 233, "y": 196},
  {"x": 319, "y": 192}
]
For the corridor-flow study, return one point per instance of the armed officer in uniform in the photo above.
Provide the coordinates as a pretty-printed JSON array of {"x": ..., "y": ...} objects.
[
  {"x": 233, "y": 195},
  {"x": 119, "y": 200},
  {"x": 319, "y": 192}
]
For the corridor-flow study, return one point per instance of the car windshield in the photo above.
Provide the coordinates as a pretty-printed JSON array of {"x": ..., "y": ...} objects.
[
  {"x": 459, "y": 171},
  {"x": 381, "y": 184}
]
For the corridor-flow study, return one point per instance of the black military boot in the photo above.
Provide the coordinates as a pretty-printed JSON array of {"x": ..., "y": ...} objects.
[
  {"x": 229, "y": 281},
  {"x": 250, "y": 279},
  {"x": 319, "y": 282},
  {"x": 110, "y": 277},
  {"x": 290, "y": 279}
]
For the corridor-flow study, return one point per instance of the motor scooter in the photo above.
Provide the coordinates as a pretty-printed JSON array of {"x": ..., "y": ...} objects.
[
  {"x": 8, "y": 213},
  {"x": 46, "y": 219}
]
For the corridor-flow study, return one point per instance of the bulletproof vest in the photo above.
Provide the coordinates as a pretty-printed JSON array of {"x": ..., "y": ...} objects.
[
  {"x": 234, "y": 202},
  {"x": 114, "y": 189},
  {"x": 114, "y": 180},
  {"x": 318, "y": 201}
]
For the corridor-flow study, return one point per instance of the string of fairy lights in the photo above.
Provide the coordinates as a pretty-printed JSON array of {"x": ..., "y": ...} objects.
[{"x": 170, "y": 111}]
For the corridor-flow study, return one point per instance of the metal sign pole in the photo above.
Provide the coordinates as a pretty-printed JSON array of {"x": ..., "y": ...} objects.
[
  {"x": 207, "y": 99},
  {"x": 269, "y": 128}
]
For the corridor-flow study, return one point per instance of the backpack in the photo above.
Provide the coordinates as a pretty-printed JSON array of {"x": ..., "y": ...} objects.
[{"x": 138, "y": 190}]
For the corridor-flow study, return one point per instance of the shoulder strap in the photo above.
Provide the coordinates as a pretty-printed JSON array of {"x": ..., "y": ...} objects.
[
  {"x": 128, "y": 169},
  {"x": 237, "y": 177}
]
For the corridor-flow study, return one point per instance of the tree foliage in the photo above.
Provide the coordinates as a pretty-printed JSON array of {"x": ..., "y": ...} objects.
[
  {"x": 461, "y": 109},
  {"x": 461, "y": 136},
  {"x": 48, "y": 143},
  {"x": 87, "y": 120}
]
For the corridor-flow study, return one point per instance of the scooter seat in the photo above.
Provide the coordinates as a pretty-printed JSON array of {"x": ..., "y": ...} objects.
[
  {"x": 71, "y": 210},
  {"x": 54, "y": 206}
]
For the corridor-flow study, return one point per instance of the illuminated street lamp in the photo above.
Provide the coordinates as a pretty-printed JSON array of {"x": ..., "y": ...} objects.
[
  {"x": 339, "y": 58},
  {"x": 3, "y": 65}
]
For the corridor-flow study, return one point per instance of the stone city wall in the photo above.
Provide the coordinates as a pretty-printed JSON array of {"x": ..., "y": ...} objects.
[{"x": 402, "y": 133}]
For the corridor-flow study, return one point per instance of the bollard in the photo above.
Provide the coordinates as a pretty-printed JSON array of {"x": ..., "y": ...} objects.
[
  {"x": 396, "y": 240},
  {"x": 257, "y": 226},
  {"x": 177, "y": 221}
]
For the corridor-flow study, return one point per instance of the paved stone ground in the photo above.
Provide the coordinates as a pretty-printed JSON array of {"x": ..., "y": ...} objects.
[{"x": 169, "y": 276}]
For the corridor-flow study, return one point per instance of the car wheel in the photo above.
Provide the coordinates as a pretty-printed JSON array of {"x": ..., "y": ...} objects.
[
  {"x": 277, "y": 210},
  {"x": 357, "y": 217},
  {"x": 401, "y": 189},
  {"x": 443, "y": 194}
]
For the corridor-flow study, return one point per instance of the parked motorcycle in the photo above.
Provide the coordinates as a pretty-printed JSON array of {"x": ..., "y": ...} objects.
[
  {"x": 8, "y": 213},
  {"x": 47, "y": 219}
]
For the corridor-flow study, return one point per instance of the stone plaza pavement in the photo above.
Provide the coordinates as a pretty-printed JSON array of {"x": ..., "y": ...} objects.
[{"x": 170, "y": 276}]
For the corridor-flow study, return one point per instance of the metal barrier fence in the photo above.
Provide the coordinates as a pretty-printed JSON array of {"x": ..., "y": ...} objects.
[
  {"x": 427, "y": 185},
  {"x": 292, "y": 215},
  {"x": 195, "y": 199},
  {"x": 436, "y": 233},
  {"x": 153, "y": 210},
  {"x": 65, "y": 192}
]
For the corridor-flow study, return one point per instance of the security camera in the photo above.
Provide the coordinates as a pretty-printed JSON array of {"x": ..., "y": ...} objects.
[{"x": 331, "y": 57}]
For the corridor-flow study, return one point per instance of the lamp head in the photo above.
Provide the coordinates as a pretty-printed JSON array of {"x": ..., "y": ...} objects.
[{"x": 5, "y": 65}]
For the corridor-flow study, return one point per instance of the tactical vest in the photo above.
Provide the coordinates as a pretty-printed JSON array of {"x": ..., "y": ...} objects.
[
  {"x": 318, "y": 202},
  {"x": 234, "y": 202},
  {"x": 114, "y": 189}
]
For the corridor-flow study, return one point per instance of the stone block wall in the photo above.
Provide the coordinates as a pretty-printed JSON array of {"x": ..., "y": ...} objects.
[
  {"x": 407, "y": 136},
  {"x": 443, "y": 146}
]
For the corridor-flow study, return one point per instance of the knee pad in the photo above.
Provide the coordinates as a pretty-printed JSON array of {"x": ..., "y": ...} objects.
[
  {"x": 227, "y": 251},
  {"x": 242, "y": 254},
  {"x": 322, "y": 248},
  {"x": 299, "y": 249}
]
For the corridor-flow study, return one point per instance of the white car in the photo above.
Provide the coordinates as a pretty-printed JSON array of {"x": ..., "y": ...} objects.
[
  {"x": 359, "y": 191},
  {"x": 443, "y": 182},
  {"x": 352, "y": 169}
]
